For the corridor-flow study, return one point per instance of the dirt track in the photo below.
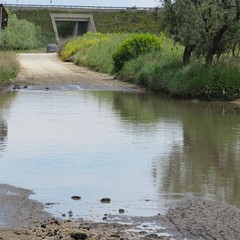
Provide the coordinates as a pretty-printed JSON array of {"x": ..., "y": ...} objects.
[{"x": 47, "y": 70}]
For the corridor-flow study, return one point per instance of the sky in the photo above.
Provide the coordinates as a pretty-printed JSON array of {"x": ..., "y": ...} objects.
[{"x": 107, "y": 3}]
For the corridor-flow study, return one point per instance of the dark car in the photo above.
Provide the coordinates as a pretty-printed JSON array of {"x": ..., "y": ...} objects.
[{"x": 52, "y": 47}]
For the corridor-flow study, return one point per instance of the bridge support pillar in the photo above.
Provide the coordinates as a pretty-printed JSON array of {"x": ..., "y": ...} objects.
[{"x": 80, "y": 28}]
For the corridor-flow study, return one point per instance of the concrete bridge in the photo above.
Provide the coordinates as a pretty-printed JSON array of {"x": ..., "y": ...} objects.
[{"x": 83, "y": 23}]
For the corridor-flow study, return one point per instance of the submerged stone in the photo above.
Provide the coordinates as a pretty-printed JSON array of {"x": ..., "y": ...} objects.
[
  {"x": 105, "y": 200},
  {"x": 76, "y": 198},
  {"x": 121, "y": 211}
]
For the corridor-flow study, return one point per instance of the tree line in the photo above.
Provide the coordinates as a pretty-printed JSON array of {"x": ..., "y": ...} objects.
[{"x": 207, "y": 28}]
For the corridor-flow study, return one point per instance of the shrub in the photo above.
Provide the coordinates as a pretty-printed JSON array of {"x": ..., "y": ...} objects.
[
  {"x": 20, "y": 34},
  {"x": 70, "y": 48},
  {"x": 160, "y": 71},
  {"x": 136, "y": 45},
  {"x": 88, "y": 42},
  {"x": 99, "y": 56},
  {"x": 155, "y": 70},
  {"x": 80, "y": 44},
  {"x": 93, "y": 50}
]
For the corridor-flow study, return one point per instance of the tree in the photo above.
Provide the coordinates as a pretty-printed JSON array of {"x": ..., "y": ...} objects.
[
  {"x": 20, "y": 34},
  {"x": 203, "y": 26}
]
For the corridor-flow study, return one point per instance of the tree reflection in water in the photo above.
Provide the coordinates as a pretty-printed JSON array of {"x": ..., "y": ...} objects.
[
  {"x": 3, "y": 133},
  {"x": 207, "y": 161},
  {"x": 5, "y": 103}
]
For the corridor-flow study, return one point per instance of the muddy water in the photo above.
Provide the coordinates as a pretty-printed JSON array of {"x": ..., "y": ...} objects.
[{"x": 142, "y": 151}]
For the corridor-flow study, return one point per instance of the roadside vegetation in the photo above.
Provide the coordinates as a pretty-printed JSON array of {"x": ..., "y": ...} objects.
[
  {"x": 9, "y": 67},
  {"x": 197, "y": 55},
  {"x": 19, "y": 35},
  {"x": 158, "y": 69}
]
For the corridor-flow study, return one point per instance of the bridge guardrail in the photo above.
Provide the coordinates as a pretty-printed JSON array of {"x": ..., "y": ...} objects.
[{"x": 79, "y": 7}]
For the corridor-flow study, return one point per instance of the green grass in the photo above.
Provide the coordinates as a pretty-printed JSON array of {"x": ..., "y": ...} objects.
[
  {"x": 93, "y": 50},
  {"x": 159, "y": 71},
  {"x": 99, "y": 55},
  {"x": 9, "y": 67}
]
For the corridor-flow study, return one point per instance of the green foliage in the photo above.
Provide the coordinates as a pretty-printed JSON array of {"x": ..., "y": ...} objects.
[
  {"x": 71, "y": 47},
  {"x": 88, "y": 42},
  {"x": 154, "y": 71},
  {"x": 20, "y": 34},
  {"x": 160, "y": 71},
  {"x": 136, "y": 45},
  {"x": 93, "y": 50},
  {"x": 144, "y": 70},
  {"x": 97, "y": 50},
  {"x": 208, "y": 27},
  {"x": 167, "y": 74},
  {"x": 224, "y": 81},
  {"x": 40, "y": 17},
  {"x": 215, "y": 82},
  {"x": 9, "y": 66},
  {"x": 164, "y": 72},
  {"x": 99, "y": 55}
]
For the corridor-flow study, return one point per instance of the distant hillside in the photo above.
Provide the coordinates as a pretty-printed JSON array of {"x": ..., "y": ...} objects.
[{"x": 105, "y": 20}]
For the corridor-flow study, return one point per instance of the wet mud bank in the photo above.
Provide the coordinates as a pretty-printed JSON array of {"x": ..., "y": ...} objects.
[
  {"x": 191, "y": 218},
  {"x": 24, "y": 218},
  {"x": 199, "y": 218},
  {"x": 17, "y": 210}
]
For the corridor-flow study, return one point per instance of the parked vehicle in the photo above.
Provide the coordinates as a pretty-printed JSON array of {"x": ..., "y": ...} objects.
[{"x": 52, "y": 47}]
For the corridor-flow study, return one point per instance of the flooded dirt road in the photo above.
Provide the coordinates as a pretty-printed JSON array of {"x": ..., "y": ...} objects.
[
  {"x": 46, "y": 70},
  {"x": 170, "y": 147}
]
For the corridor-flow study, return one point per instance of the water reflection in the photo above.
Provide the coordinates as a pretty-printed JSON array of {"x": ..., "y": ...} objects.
[
  {"x": 126, "y": 146},
  {"x": 5, "y": 102},
  {"x": 205, "y": 160},
  {"x": 3, "y": 133}
]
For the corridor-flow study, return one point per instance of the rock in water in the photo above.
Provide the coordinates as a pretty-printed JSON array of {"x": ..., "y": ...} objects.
[
  {"x": 79, "y": 235},
  {"x": 76, "y": 198},
  {"x": 105, "y": 200},
  {"x": 121, "y": 211}
]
